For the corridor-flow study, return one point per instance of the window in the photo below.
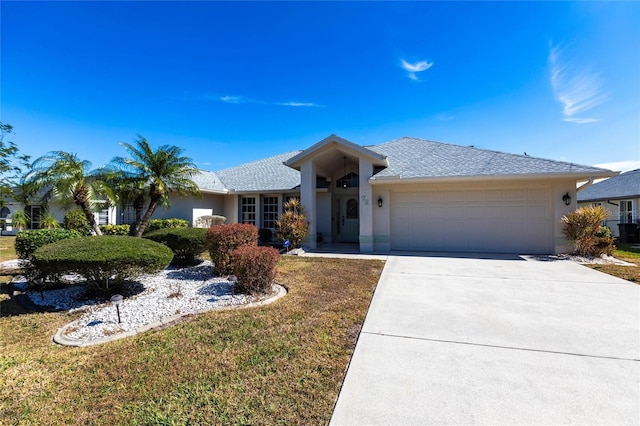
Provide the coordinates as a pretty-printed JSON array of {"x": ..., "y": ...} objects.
[
  {"x": 626, "y": 212},
  {"x": 103, "y": 217},
  {"x": 351, "y": 180},
  {"x": 248, "y": 212},
  {"x": 128, "y": 214},
  {"x": 269, "y": 212},
  {"x": 35, "y": 213},
  {"x": 352, "y": 209},
  {"x": 4, "y": 212}
]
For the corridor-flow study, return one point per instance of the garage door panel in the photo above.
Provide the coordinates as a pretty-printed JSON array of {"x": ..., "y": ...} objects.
[{"x": 514, "y": 220}]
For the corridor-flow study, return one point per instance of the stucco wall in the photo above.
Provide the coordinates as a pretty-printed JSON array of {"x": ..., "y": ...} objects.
[{"x": 182, "y": 207}]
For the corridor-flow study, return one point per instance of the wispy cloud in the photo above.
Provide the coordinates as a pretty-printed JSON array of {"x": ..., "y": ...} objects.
[
  {"x": 415, "y": 68},
  {"x": 444, "y": 117},
  {"x": 299, "y": 104},
  {"x": 243, "y": 100},
  {"x": 578, "y": 91}
]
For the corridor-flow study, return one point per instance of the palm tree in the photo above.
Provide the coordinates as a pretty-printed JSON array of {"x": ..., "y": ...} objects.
[
  {"x": 128, "y": 188},
  {"x": 71, "y": 181},
  {"x": 164, "y": 171}
]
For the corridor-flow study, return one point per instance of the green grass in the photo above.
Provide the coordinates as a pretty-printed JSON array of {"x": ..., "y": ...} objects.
[
  {"x": 629, "y": 273},
  {"x": 7, "y": 249},
  {"x": 280, "y": 364}
]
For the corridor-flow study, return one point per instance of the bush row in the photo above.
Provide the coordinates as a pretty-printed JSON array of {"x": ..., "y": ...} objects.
[
  {"x": 113, "y": 258},
  {"x": 27, "y": 242},
  {"x": 155, "y": 224}
]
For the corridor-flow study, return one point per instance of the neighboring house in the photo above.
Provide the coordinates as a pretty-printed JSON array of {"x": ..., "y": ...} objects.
[
  {"x": 620, "y": 195},
  {"x": 406, "y": 194}
]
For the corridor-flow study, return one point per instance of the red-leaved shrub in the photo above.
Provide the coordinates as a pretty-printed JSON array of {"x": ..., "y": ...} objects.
[
  {"x": 255, "y": 268},
  {"x": 222, "y": 240}
]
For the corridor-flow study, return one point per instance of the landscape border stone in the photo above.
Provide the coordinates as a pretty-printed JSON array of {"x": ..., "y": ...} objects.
[{"x": 63, "y": 340}]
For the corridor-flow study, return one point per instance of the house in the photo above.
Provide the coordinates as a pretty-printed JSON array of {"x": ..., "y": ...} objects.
[
  {"x": 620, "y": 195},
  {"x": 406, "y": 194}
]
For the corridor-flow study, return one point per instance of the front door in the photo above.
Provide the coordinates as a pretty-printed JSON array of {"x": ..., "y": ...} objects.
[{"x": 348, "y": 213}]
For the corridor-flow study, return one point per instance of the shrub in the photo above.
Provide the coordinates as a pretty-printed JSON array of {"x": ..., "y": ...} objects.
[
  {"x": 155, "y": 224},
  {"x": 255, "y": 268},
  {"x": 104, "y": 261},
  {"x": 292, "y": 224},
  {"x": 589, "y": 237},
  {"x": 28, "y": 242},
  {"x": 265, "y": 235},
  {"x": 48, "y": 221},
  {"x": 223, "y": 239},
  {"x": 123, "y": 230},
  {"x": 75, "y": 220},
  {"x": 185, "y": 243},
  {"x": 210, "y": 220}
]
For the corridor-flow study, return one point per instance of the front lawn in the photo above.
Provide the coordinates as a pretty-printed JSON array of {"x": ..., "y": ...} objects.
[
  {"x": 7, "y": 249},
  {"x": 629, "y": 273},
  {"x": 280, "y": 364}
]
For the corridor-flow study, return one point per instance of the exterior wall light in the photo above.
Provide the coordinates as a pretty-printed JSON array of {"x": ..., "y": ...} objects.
[
  {"x": 116, "y": 299},
  {"x": 567, "y": 199},
  {"x": 379, "y": 200}
]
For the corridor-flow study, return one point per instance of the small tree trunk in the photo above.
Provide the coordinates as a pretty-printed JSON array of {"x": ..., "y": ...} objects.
[
  {"x": 84, "y": 205},
  {"x": 153, "y": 204}
]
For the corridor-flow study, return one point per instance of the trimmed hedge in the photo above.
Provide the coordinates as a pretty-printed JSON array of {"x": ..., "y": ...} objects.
[
  {"x": 255, "y": 268},
  {"x": 223, "y": 239},
  {"x": 115, "y": 229},
  {"x": 103, "y": 261},
  {"x": 155, "y": 224},
  {"x": 186, "y": 243},
  {"x": 28, "y": 242},
  {"x": 75, "y": 220}
]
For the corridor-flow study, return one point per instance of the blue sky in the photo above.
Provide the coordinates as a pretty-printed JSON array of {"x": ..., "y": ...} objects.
[{"x": 235, "y": 82}]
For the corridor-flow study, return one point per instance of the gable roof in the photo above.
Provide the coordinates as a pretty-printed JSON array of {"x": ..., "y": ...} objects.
[
  {"x": 625, "y": 185},
  {"x": 268, "y": 174},
  {"x": 411, "y": 158},
  {"x": 336, "y": 141},
  {"x": 407, "y": 159}
]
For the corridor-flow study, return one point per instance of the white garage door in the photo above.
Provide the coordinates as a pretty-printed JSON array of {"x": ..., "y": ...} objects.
[{"x": 497, "y": 221}]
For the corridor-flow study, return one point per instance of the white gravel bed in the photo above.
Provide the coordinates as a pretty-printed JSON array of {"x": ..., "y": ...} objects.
[{"x": 165, "y": 294}]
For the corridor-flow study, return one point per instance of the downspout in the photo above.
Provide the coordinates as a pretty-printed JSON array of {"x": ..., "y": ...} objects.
[{"x": 585, "y": 185}]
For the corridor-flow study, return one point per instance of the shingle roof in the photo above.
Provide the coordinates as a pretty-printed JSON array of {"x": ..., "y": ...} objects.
[
  {"x": 625, "y": 185},
  {"x": 268, "y": 174},
  {"x": 419, "y": 158},
  {"x": 208, "y": 181},
  {"x": 408, "y": 158}
]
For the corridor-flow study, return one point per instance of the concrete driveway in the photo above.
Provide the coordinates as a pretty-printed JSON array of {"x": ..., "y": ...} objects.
[{"x": 467, "y": 339}]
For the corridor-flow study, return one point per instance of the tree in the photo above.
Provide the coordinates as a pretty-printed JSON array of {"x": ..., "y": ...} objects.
[
  {"x": 129, "y": 189},
  {"x": 164, "y": 171},
  {"x": 11, "y": 163},
  {"x": 71, "y": 181}
]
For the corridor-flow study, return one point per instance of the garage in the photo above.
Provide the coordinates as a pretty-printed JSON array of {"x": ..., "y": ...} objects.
[{"x": 514, "y": 220}]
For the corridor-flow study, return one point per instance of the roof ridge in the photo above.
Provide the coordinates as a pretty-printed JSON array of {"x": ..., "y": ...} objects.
[{"x": 496, "y": 152}]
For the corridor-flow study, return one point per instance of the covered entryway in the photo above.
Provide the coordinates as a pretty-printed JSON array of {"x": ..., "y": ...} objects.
[{"x": 515, "y": 220}]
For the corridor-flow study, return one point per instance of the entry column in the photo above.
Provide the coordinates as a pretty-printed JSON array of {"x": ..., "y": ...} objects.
[
  {"x": 366, "y": 210},
  {"x": 308, "y": 200}
]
